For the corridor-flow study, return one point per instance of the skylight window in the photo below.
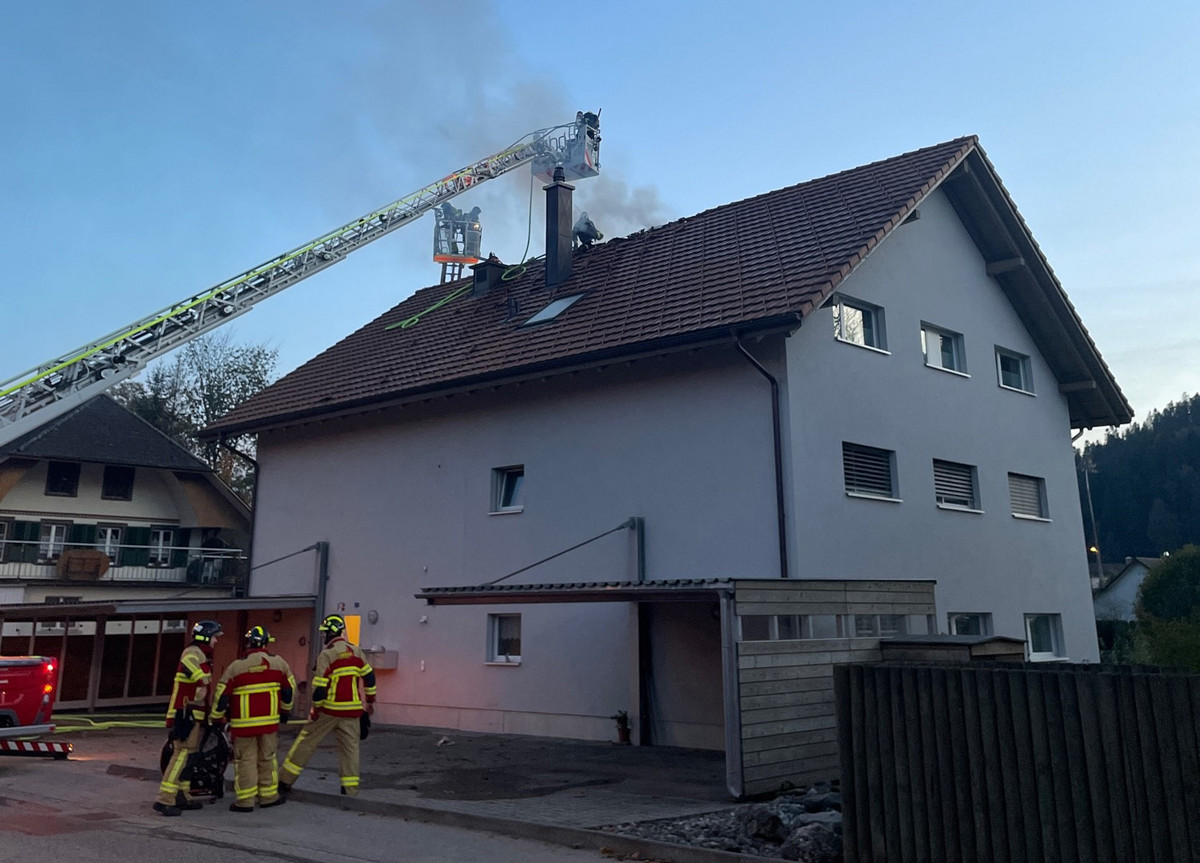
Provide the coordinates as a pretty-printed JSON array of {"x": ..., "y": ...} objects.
[{"x": 553, "y": 310}]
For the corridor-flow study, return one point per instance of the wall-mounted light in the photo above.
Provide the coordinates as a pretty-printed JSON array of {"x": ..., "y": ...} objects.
[{"x": 372, "y": 616}]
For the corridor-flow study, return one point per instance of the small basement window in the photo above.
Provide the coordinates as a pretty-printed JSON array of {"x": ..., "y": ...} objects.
[{"x": 553, "y": 310}]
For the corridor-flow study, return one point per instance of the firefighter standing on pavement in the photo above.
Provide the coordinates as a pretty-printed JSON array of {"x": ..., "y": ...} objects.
[
  {"x": 186, "y": 714},
  {"x": 256, "y": 694},
  {"x": 337, "y": 707}
]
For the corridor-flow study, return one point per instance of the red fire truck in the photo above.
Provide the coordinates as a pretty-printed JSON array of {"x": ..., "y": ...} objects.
[{"x": 27, "y": 687}]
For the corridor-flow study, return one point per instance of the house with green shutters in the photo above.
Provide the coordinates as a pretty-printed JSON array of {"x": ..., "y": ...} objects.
[{"x": 99, "y": 505}]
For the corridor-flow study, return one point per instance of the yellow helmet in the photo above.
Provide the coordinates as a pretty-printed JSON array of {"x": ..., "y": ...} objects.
[
  {"x": 258, "y": 636},
  {"x": 333, "y": 626}
]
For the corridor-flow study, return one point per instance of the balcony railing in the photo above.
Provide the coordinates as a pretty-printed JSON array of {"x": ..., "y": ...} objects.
[{"x": 34, "y": 560}]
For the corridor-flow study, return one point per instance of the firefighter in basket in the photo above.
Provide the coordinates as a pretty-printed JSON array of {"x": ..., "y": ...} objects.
[
  {"x": 255, "y": 693},
  {"x": 186, "y": 713},
  {"x": 338, "y": 706}
]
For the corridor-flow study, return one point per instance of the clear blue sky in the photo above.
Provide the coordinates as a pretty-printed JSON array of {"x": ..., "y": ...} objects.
[{"x": 152, "y": 149}]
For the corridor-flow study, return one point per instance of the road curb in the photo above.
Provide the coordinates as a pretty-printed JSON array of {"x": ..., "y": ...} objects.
[{"x": 570, "y": 837}]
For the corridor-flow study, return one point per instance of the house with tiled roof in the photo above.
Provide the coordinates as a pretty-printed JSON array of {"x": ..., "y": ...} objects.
[
  {"x": 624, "y": 478},
  {"x": 1117, "y": 598},
  {"x": 98, "y": 503}
]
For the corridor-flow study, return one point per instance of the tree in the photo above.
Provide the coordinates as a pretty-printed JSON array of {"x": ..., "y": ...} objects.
[
  {"x": 202, "y": 382},
  {"x": 1168, "y": 609}
]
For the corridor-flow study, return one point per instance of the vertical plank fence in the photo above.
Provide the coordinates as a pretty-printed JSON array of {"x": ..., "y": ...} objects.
[{"x": 1033, "y": 763}]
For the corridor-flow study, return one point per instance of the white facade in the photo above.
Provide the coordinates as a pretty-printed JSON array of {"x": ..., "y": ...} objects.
[
  {"x": 404, "y": 497},
  {"x": 929, "y": 272}
]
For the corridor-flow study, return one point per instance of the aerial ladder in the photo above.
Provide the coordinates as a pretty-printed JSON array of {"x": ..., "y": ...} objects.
[{"x": 49, "y": 390}]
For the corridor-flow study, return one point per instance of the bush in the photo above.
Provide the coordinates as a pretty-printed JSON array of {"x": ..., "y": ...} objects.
[
  {"x": 1174, "y": 642},
  {"x": 1168, "y": 610},
  {"x": 1171, "y": 590}
]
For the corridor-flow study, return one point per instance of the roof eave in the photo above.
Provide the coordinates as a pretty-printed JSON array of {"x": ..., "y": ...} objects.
[
  {"x": 727, "y": 333},
  {"x": 1017, "y": 264}
]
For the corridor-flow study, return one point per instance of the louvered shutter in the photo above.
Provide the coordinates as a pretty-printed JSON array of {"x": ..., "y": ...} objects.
[
  {"x": 954, "y": 483},
  {"x": 868, "y": 470},
  {"x": 1025, "y": 493}
]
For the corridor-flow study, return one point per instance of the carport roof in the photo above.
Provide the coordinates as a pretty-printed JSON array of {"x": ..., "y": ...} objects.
[
  {"x": 142, "y": 607},
  {"x": 673, "y": 590}
]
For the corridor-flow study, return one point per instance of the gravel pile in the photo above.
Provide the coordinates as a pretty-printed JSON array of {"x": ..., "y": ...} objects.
[{"x": 803, "y": 824}]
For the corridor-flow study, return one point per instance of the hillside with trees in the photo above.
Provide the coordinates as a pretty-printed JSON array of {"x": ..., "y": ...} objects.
[{"x": 1145, "y": 483}]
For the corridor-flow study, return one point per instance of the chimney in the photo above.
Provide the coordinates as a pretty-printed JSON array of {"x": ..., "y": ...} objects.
[
  {"x": 558, "y": 229},
  {"x": 486, "y": 275}
]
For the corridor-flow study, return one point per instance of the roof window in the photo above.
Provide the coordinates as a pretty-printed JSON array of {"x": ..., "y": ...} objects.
[{"x": 553, "y": 310}]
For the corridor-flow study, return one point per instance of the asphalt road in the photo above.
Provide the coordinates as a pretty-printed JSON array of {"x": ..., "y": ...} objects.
[{"x": 74, "y": 810}]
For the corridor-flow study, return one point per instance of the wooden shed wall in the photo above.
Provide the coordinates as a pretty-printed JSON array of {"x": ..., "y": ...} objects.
[{"x": 785, "y": 688}]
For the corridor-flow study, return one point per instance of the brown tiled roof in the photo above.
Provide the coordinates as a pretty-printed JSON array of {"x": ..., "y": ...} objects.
[{"x": 752, "y": 264}]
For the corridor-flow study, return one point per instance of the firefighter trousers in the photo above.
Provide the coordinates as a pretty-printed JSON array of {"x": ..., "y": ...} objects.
[
  {"x": 171, "y": 784},
  {"x": 345, "y": 730},
  {"x": 255, "y": 771}
]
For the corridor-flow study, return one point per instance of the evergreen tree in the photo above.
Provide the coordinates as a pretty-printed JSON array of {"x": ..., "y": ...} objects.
[{"x": 1145, "y": 484}]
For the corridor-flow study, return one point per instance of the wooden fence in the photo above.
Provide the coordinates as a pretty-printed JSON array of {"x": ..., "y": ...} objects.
[{"x": 1018, "y": 763}]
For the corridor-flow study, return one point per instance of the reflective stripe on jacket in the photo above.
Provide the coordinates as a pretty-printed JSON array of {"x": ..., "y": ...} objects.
[
  {"x": 335, "y": 684},
  {"x": 254, "y": 690},
  {"x": 193, "y": 683}
]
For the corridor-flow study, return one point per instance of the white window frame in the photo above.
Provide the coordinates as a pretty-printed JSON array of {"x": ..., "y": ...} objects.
[
  {"x": 873, "y": 320},
  {"x": 108, "y": 539},
  {"x": 508, "y": 485},
  {"x": 1057, "y": 651},
  {"x": 50, "y": 547},
  {"x": 934, "y": 337},
  {"x": 948, "y": 485},
  {"x": 1026, "y": 371},
  {"x": 1021, "y": 495},
  {"x": 860, "y": 458},
  {"x": 160, "y": 550},
  {"x": 984, "y": 619},
  {"x": 495, "y": 624}
]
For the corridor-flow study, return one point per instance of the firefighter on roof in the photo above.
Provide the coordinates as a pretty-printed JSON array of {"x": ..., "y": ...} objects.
[
  {"x": 186, "y": 713},
  {"x": 337, "y": 706},
  {"x": 256, "y": 694}
]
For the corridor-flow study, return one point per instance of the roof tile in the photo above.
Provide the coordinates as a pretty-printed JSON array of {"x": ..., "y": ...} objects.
[{"x": 747, "y": 262}]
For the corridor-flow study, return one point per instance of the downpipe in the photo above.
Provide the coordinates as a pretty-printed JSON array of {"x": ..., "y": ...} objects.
[{"x": 780, "y": 511}]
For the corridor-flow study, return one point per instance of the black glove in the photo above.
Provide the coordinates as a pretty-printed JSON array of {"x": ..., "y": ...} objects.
[
  {"x": 285, "y": 717},
  {"x": 182, "y": 727}
]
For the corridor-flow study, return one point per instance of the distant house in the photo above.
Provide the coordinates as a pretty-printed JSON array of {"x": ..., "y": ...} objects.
[
  {"x": 1117, "y": 599},
  {"x": 647, "y": 476},
  {"x": 98, "y": 503}
]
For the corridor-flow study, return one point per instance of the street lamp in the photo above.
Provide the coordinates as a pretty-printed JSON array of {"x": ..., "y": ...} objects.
[{"x": 1094, "y": 548}]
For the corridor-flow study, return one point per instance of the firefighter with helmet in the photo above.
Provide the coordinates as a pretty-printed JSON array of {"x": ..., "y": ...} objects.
[
  {"x": 186, "y": 714},
  {"x": 255, "y": 693},
  {"x": 343, "y": 687}
]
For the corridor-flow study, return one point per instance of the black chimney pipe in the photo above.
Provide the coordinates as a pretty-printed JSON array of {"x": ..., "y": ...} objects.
[{"x": 558, "y": 229}]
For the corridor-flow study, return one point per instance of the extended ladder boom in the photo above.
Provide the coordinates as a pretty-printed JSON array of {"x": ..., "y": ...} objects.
[{"x": 54, "y": 387}]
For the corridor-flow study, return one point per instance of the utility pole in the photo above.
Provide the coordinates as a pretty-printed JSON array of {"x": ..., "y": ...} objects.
[{"x": 1087, "y": 484}]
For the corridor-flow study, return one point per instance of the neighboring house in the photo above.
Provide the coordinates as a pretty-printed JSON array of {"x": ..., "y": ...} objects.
[
  {"x": 862, "y": 384},
  {"x": 1118, "y": 598},
  {"x": 126, "y": 535},
  {"x": 99, "y": 504}
]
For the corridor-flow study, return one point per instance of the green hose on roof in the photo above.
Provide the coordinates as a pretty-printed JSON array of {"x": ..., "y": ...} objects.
[{"x": 415, "y": 319}]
